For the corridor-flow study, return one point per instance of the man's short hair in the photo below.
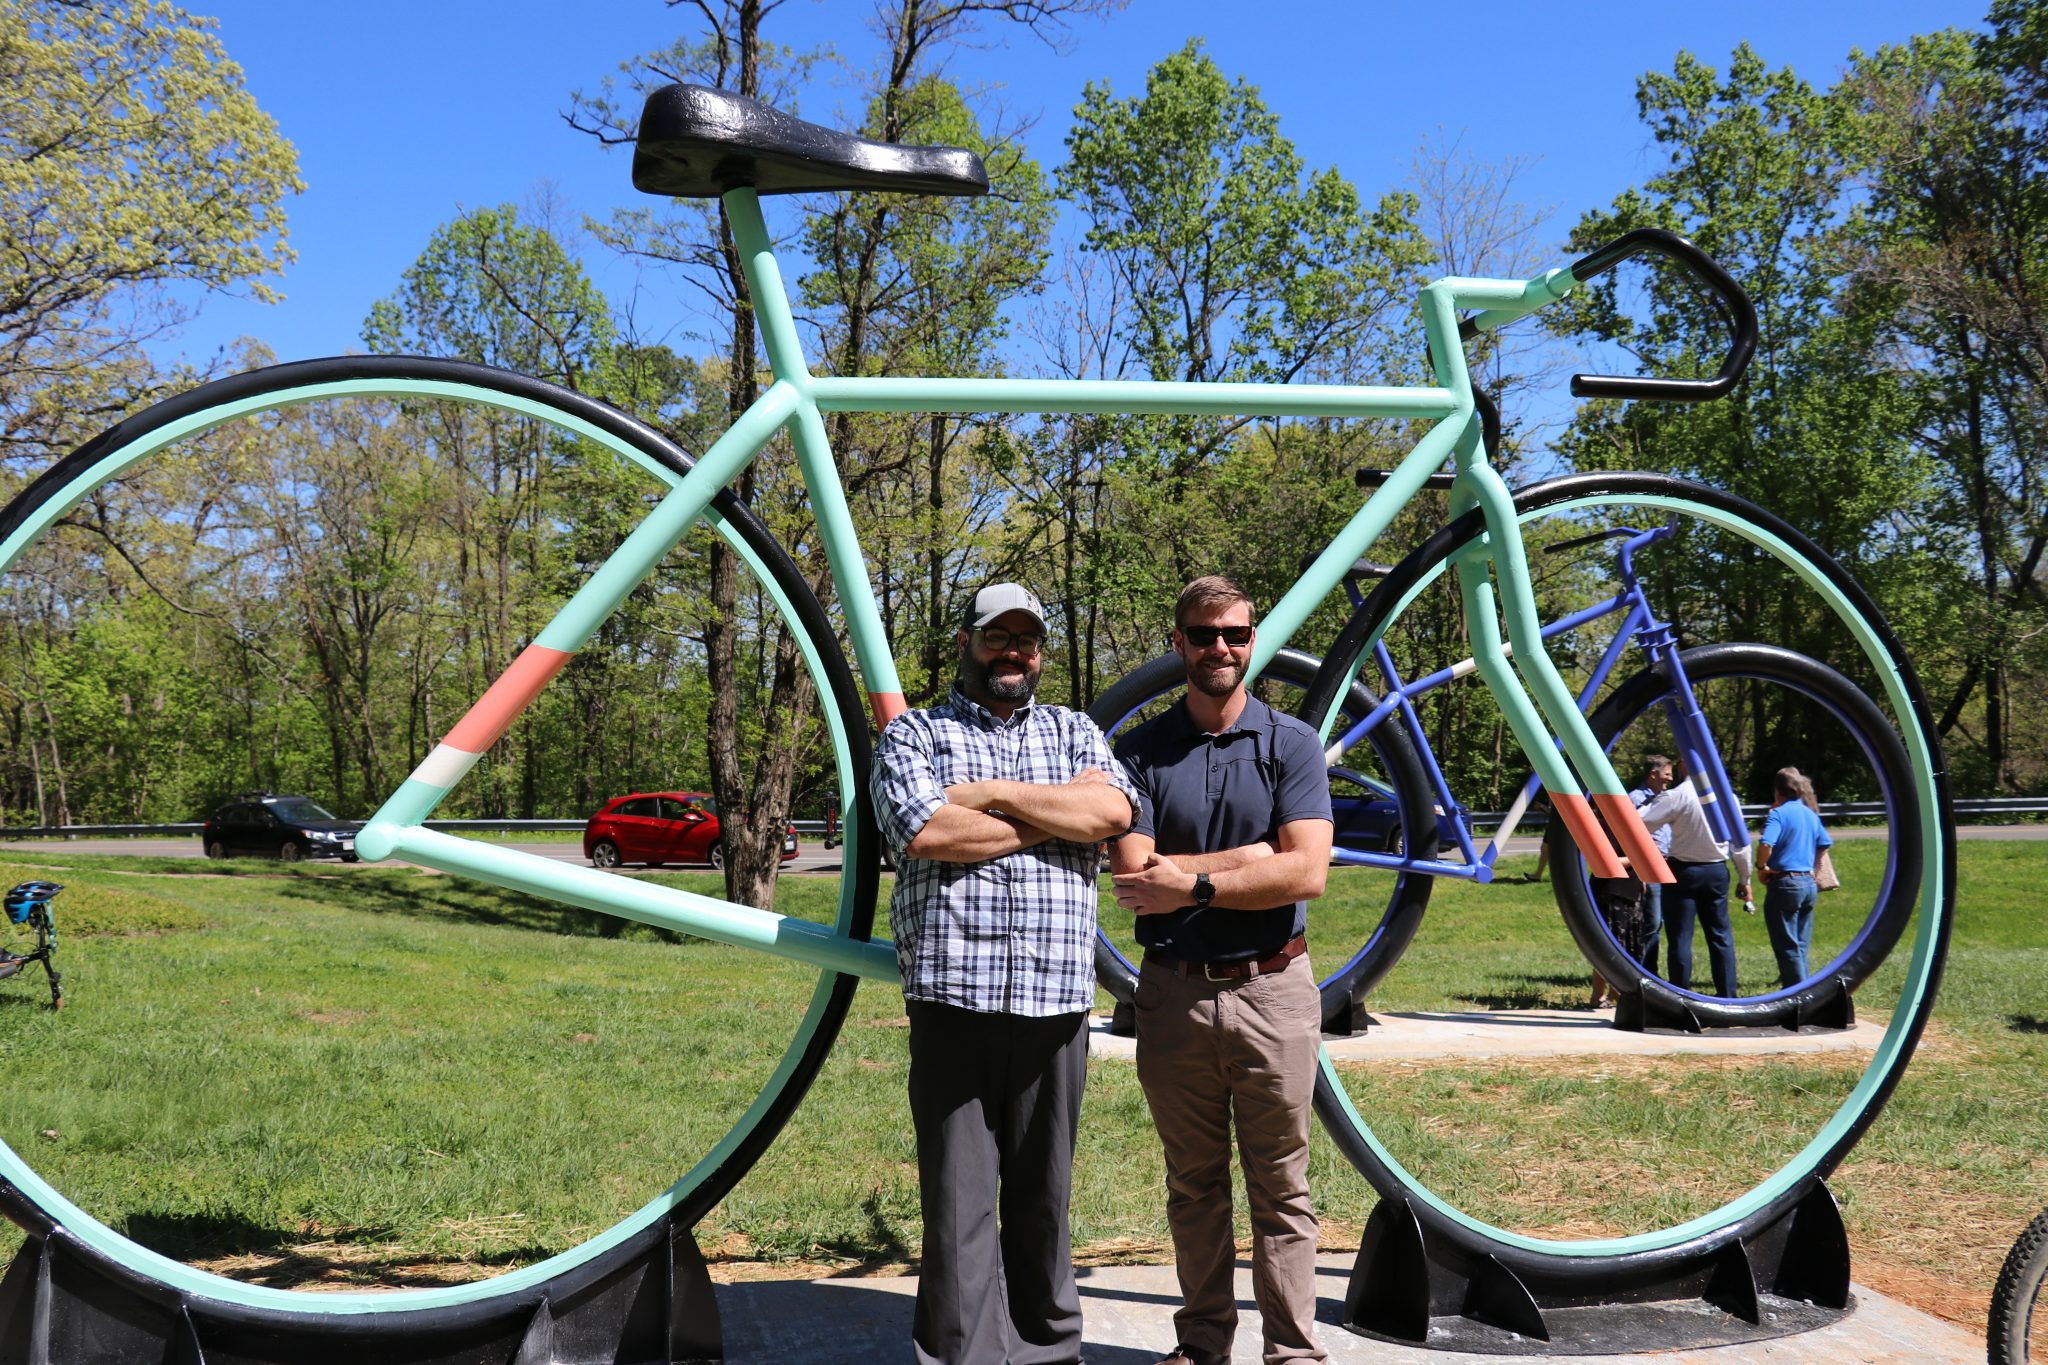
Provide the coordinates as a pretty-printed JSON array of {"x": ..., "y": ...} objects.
[
  {"x": 1654, "y": 762},
  {"x": 1212, "y": 592}
]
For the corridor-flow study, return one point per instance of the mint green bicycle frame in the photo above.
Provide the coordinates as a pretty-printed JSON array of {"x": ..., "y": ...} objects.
[{"x": 796, "y": 402}]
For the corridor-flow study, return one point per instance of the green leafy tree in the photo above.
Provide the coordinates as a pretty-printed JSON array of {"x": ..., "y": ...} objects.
[
  {"x": 1948, "y": 250},
  {"x": 920, "y": 285},
  {"x": 496, "y": 289},
  {"x": 1231, "y": 262},
  {"x": 132, "y": 162}
]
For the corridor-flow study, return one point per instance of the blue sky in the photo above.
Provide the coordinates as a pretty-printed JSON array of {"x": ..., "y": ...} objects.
[{"x": 405, "y": 114}]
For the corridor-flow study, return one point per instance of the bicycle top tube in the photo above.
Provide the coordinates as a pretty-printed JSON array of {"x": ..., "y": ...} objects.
[{"x": 796, "y": 403}]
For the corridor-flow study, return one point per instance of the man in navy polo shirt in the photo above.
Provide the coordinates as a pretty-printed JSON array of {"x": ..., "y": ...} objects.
[{"x": 1231, "y": 840}]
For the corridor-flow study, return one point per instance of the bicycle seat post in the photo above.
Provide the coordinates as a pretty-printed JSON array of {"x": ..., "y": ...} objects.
[{"x": 827, "y": 494}]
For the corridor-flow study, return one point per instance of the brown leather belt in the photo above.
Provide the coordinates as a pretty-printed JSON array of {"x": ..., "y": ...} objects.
[{"x": 1231, "y": 971}]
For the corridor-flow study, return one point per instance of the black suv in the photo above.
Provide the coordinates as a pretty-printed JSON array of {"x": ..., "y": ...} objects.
[{"x": 287, "y": 827}]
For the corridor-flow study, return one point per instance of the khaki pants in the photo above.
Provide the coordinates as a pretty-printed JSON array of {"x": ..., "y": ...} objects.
[{"x": 1209, "y": 1051}]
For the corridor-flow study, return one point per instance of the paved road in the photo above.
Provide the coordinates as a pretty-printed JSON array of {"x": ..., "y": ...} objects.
[{"x": 811, "y": 858}]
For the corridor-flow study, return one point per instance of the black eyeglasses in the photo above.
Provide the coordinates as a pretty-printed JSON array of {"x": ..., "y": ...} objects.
[
  {"x": 1201, "y": 637},
  {"x": 1000, "y": 640}
]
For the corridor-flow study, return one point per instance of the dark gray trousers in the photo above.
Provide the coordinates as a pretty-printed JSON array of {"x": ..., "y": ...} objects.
[{"x": 996, "y": 1101}]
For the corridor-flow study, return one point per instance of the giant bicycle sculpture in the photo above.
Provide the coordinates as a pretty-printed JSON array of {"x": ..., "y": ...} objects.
[{"x": 81, "y": 1291}]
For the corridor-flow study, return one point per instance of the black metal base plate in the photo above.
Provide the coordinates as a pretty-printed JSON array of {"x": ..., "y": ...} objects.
[{"x": 1620, "y": 1329}]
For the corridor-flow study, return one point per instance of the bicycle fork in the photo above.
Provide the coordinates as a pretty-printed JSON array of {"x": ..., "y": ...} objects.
[{"x": 1498, "y": 553}]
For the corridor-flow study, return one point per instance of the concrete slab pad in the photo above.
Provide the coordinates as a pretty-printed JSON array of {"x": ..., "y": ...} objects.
[
  {"x": 1128, "y": 1311},
  {"x": 1405, "y": 1036}
]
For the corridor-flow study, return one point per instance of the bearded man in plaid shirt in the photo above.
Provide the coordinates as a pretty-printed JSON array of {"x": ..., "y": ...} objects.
[{"x": 993, "y": 807}]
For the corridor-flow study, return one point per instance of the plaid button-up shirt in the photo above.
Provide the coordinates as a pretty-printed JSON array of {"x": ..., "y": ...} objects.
[{"x": 1015, "y": 934}]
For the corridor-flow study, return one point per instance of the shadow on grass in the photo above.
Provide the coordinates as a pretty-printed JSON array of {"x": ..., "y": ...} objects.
[
  {"x": 192, "y": 1236},
  {"x": 878, "y": 1244},
  {"x": 286, "y": 1258},
  {"x": 1527, "y": 992},
  {"x": 458, "y": 900},
  {"x": 2027, "y": 1023}
]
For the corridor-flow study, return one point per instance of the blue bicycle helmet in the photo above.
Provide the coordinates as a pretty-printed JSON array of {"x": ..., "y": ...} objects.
[{"x": 27, "y": 897}]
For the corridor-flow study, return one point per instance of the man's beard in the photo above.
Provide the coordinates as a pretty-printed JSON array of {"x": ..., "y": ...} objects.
[
  {"x": 1217, "y": 682},
  {"x": 1013, "y": 688}
]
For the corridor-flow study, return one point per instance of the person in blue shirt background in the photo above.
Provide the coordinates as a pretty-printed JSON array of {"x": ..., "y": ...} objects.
[{"x": 1787, "y": 852}]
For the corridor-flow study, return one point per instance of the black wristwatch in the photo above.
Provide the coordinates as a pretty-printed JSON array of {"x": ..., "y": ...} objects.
[{"x": 1205, "y": 891}]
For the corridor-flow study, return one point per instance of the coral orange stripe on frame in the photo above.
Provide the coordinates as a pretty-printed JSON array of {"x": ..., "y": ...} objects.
[
  {"x": 495, "y": 710},
  {"x": 1587, "y": 834},
  {"x": 1634, "y": 838}
]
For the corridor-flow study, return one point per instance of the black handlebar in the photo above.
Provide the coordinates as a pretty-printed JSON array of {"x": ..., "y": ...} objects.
[{"x": 1741, "y": 316}]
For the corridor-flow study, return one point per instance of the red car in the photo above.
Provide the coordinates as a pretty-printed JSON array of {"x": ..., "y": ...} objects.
[{"x": 660, "y": 827}]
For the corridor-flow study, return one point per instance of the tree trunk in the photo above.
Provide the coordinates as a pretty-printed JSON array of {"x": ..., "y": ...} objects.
[{"x": 751, "y": 848}]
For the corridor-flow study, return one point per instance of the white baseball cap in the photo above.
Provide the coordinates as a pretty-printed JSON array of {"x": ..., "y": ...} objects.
[{"x": 997, "y": 598}]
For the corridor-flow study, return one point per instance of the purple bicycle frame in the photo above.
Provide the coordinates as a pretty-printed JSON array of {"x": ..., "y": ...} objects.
[{"x": 1695, "y": 739}]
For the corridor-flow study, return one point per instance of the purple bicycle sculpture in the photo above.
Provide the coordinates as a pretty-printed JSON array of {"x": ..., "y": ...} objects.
[{"x": 1606, "y": 546}]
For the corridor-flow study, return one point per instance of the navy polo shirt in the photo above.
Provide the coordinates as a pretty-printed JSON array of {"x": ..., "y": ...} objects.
[{"x": 1203, "y": 793}]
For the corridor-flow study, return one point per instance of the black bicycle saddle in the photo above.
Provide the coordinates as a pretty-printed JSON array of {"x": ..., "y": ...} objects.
[{"x": 696, "y": 142}]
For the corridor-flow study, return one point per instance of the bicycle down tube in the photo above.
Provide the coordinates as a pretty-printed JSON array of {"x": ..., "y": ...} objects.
[{"x": 795, "y": 402}]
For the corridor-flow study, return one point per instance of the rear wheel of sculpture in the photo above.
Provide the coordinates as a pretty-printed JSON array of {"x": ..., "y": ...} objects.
[{"x": 235, "y": 514}]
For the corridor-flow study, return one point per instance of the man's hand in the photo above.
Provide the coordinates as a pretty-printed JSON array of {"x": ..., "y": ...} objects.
[{"x": 1157, "y": 888}]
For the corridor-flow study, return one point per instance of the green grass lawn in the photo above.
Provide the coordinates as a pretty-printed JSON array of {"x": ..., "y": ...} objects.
[{"x": 326, "y": 1075}]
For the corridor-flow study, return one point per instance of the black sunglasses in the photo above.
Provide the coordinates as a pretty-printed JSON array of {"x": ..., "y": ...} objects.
[{"x": 1201, "y": 637}]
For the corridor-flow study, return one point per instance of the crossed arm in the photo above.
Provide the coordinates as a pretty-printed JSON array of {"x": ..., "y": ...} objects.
[
  {"x": 1255, "y": 877},
  {"x": 983, "y": 820}
]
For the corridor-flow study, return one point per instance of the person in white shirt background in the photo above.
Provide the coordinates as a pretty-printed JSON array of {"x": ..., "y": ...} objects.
[{"x": 1699, "y": 861}]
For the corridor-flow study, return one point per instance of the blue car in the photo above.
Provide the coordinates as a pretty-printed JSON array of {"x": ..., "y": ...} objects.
[{"x": 1367, "y": 818}]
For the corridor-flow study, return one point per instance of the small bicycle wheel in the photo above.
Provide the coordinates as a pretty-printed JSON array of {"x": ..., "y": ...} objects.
[
  {"x": 1394, "y": 901},
  {"x": 2010, "y": 1336},
  {"x": 1722, "y": 560},
  {"x": 1732, "y": 682},
  {"x": 230, "y": 510}
]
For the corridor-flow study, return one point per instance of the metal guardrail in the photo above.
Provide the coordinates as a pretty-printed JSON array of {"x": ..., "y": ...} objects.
[{"x": 1975, "y": 808}]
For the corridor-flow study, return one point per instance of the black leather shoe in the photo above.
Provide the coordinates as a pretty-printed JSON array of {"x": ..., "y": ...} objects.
[{"x": 1188, "y": 1355}]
